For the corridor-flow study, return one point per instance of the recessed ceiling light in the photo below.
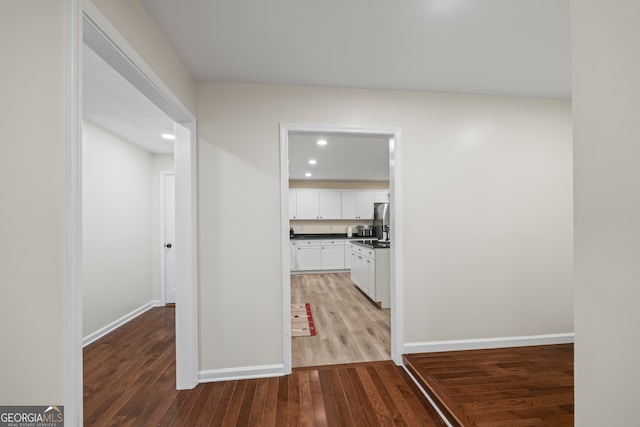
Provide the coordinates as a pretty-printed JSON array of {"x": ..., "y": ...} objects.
[
  {"x": 308, "y": 174},
  {"x": 168, "y": 136},
  {"x": 312, "y": 162},
  {"x": 322, "y": 142}
]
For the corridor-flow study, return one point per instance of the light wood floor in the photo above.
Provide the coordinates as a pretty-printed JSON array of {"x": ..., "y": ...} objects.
[{"x": 350, "y": 328}]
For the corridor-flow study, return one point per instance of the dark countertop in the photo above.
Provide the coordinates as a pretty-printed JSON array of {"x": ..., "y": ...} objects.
[
  {"x": 324, "y": 236},
  {"x": 373, "y": 244},
  {"x": 364, "y": 241}
]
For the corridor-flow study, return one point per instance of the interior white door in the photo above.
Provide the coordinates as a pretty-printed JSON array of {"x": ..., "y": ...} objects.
[{"x": 169, "y": 238}]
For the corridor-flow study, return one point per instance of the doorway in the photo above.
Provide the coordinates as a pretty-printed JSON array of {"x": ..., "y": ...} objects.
[
  {"x": 393, "y": 135},
  {"x": 88, "y": 25}
]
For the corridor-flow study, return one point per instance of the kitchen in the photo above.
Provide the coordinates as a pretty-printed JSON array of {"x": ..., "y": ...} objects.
[{"x": 339, "y": 211}]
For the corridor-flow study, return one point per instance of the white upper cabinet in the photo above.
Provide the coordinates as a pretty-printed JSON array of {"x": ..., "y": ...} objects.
[
  {"x": 293, "y": 201},
  {"x": 349, "y": 204},
  {"x": 381, "y": 197},
  {"x": 334, "y": 204},
  {"x": 318, "y": 204},
  {"x": 365, "y": 205},
  {"x": 357, "y": 204},
  {"x": 307, "y": 205},
  {"x": 330, "y": 204}
]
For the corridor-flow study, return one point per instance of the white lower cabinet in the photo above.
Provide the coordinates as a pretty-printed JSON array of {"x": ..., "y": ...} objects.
[
  {"x": 320, "y": 255},
  {"x": 309, "y": 257},
  {"x": 333, "y": 254},
  {"x": 359, "y": 272},
  {"x": 347, "y": 255},
  {"x": 370, "y": 271},
  {"x": 293, "y": 256}
]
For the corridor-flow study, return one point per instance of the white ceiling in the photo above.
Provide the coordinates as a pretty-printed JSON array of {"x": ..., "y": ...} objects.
[
  {"x": 495, "y": 47},
  {"x": 111, "y": 102},
  {"x": 346, "y": 157}
]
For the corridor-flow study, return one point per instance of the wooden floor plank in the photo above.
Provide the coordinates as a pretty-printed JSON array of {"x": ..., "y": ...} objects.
[
  {"x": 230, "y": 417},
  {"x": 330, "y": 399},
  {"x": 271, "y": 403},
  {"x": 293, "y": 413},
  {"x": 318, "y": 400},
  {"x": 342, "y": 403},
  {"x": 259, "y": 398},
  {"x": 282, "y": 409},
  {"x": 247, "y": 402},
  {"x": 512, "y": 386},
  {"x": 368, "y": 406},
  {"x": 217, "y": 405}
]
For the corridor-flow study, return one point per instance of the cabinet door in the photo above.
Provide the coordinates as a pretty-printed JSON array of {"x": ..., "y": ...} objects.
[
  {"x": 309, "y": 258},
  {"x": 359, "y": 272},
  {"x": 355, "y": 268},
  {"x": 381, "y": 197},
  {"x": 293, "y": 201},
  {"x": 292, "y": 256},
  {"x": 307, "y": 204},
  {"x": 365, "y": 205},
  {"x": 349, "y": 204},
  {"x": 347, "y": 255},
  {"x": 333, "y": 257},
  {"x": 330, "y": 204},
  {"x": 370, "y": 274}
]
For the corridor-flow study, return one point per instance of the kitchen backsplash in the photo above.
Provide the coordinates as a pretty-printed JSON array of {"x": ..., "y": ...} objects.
[{"x": 321, "y": 227}]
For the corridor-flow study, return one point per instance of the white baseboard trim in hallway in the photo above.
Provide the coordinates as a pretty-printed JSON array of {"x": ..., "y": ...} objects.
[
  {"x": 241, "y": 373},
  {"x": 486, "y": 343},
  {"x": 119, "y": 322}
]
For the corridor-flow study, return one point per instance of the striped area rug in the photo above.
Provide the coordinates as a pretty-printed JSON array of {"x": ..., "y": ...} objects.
[{"x": 302, "y": 321}]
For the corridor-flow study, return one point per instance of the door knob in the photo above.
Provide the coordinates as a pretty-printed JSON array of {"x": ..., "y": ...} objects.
[{"x": 168, "y": 245}]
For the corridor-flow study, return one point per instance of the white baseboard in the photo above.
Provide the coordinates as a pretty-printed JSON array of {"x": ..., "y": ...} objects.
[
  {"x": 486, "y": 343},
  {"x": 245, "y": 372},
  {"x": 119, "y": 322}
]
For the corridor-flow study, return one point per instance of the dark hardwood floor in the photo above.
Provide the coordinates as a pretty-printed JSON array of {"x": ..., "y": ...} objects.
[
  {"x": 521, "y": 386},
  {"x": 129, "y": 379}
]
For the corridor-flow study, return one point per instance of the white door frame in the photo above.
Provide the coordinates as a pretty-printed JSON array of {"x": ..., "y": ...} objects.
[
  {"x": 86, "y": 23},
  {"x": 395, "y": 183}
]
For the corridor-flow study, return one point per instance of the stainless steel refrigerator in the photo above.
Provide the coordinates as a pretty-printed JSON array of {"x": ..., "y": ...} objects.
[{"x": 381, "y": 221}]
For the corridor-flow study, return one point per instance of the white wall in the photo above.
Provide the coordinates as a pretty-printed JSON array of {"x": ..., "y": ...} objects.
[
  {"x": 487, "y": 212},
  {"x": 33, "y": 198},
  {"x": 606, "y": 99},
  {"x": 117, "y": 227}
]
